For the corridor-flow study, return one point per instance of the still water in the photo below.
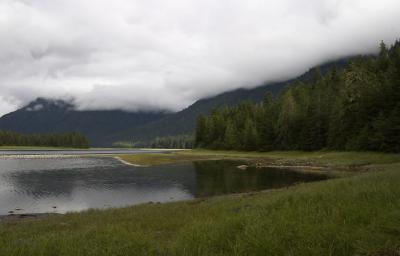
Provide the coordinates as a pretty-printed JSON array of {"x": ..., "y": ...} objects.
[
  {"x": 73, "y": 184},
  {"x": 77, "y": 152}
]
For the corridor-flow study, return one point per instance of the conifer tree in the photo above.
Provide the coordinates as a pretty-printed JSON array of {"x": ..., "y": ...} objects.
[
  {"x": 250, "y": 136},
  {"x": 231, "y": 137},
  {"x": 200, "y": 131},
  {"x": 356, "y": 108}
]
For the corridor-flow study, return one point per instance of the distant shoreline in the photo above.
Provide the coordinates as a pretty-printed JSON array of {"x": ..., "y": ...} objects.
[
  {"x": 53, "y": 153},
  {"x": 22, "y": 216}
]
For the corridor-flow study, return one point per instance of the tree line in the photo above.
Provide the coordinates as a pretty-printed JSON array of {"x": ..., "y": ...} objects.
[
  {"x": 180, "y": 141},
  {"x": 354, "y": 108},
  {"x": 71, "y": 139},
  {"x": 171, "y": 142}
]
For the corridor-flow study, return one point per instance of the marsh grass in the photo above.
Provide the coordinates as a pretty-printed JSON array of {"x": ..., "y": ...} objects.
[
  {"x": 331, "y": 158},
  {"x": 165, "y": 158}
]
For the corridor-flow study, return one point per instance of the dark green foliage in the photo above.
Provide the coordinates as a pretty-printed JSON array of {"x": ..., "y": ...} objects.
[
  {"x": 180, "y": 141},
  {"x": 170, "y": 142},
  {"x": 70, "y": 140},
  {"x": 356, "y": 108},
  {"x": 250, "y": 136},
  {"x": 230, "y": 136},
  {"x": 201, "y": 130}
]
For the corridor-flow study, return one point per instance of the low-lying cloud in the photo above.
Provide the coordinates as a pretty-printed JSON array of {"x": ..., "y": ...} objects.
[{"x": 156, "y": 54}]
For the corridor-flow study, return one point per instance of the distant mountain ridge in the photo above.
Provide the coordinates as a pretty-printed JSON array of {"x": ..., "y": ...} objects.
[
  {"x": 103, "y": 127},
  {"x": 46, "y": 115},
  {"x": 183, "y": 122}
]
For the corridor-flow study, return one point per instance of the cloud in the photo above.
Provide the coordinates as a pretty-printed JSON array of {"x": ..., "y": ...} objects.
[{"x": 155, "y": 54}]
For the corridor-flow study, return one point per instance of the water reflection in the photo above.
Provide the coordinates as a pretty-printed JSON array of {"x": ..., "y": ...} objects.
[
  {"x": 223, "y": 177},
  {"x": 73, "y": 184}
]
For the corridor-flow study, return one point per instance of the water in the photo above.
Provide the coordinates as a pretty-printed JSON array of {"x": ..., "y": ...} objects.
[
  {"x": 74, "y": 184},
  {"x": 77, "y": 152}
]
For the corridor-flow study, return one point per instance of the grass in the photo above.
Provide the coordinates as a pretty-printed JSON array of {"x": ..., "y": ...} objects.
[
  {"x": 277, "y": 157},
  {"x": 357, "y": 215},
  {"x": 164, "y": 158}
]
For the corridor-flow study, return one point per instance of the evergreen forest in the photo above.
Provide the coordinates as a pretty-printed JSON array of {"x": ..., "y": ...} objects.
[
  {"x": 180, "y": 141},
  {"x": 354, "y": 108},
  {"x": 69, "y": 140}
]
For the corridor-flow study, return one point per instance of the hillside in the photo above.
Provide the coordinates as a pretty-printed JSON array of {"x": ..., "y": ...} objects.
[
  {"x": 356, "y": 108},
  {"x": 103, "y": 127},
  {"x": 183, "y": 122},
  {"x": 45, "y": 115}
]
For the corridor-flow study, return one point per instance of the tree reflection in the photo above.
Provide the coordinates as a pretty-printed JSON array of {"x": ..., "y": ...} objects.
[{"x": 223, "y": 177}]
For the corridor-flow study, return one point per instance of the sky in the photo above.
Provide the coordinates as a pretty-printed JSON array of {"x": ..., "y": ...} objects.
[{"x": 164, "y": 55}]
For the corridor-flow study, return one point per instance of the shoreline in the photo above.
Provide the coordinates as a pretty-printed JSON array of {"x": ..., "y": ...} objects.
[
  {"x": 68, "y": 153},
  {"x": 25, "y": 216},
  {"x": 351, "y": 214},
  {"x": 195, "y": 200},
  {"x": 128, "y": 163}
]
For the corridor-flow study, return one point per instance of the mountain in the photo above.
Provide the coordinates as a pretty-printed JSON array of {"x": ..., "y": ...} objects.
[
  {"x": 183, "y": 122},
  {"x": 46, "y": 115},
  {"x": 105, "y": 127},
  {"x": 108, "y": 126}
]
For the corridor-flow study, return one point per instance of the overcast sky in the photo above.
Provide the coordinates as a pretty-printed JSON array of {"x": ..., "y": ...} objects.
[{"x": 158, "y": 54}]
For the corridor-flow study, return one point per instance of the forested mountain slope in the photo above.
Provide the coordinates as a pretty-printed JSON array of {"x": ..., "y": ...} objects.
[
  {"x": 183, "y": 122},
  {"x": 357, "y": 108},
  {"x": 103, "y": 128}
]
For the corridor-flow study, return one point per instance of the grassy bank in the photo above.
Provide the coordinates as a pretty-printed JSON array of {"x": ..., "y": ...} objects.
[
  {"x": 167, "y": 158},
  {"x": 356, "y": 215},
  {"x": 285, "y": 157}
]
